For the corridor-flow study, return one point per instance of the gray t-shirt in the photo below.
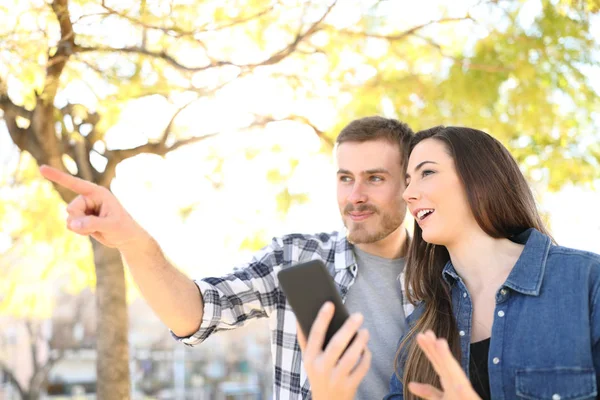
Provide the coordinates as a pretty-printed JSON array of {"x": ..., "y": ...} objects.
[{"x": 376, "y": 293}]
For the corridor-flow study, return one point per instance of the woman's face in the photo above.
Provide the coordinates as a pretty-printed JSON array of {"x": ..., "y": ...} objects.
[{"x": 435, "y": 194}]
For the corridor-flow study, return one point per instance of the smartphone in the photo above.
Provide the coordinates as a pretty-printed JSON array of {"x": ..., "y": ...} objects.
[{"x": 307, "y": 287}]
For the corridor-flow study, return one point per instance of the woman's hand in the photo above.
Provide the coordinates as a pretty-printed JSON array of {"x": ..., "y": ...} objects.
[
  {"x": 455, "y": 383},
  {"x": 334, "y": 374}
]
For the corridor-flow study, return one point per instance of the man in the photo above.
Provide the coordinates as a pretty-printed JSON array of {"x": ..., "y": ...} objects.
[{"x": 371, "y": 155}]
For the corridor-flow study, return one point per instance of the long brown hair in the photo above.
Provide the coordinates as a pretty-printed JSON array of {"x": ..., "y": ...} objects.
[{"x": 502, "y": 204}]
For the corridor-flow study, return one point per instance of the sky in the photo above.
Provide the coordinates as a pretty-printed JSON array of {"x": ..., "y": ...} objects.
[{"x": 208, "y": 241}]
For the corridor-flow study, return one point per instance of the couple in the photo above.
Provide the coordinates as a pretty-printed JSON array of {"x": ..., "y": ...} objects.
[{"x": 499, "y": 310}]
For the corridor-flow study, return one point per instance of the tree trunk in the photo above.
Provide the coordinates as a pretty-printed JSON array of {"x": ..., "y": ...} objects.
[{"x": 112, "y": 362}]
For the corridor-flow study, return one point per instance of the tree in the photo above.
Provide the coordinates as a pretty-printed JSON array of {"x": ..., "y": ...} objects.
[
  {"x": 46, "y": 347},
  {"x": 41, "y": 262},
  {"x": 526, "y": 79},
  {"x": 71, "y": 133},
  {"x": 70, "y": 67}
]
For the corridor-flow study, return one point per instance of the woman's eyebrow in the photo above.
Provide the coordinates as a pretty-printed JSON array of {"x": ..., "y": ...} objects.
[{"x": 420, "y": 165}]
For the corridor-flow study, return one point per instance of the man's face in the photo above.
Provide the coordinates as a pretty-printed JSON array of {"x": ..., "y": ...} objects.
[{"x": 370, "y": 182}]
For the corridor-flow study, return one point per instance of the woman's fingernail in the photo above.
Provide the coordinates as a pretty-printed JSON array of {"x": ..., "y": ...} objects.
[{"x": 358, "y": 317}]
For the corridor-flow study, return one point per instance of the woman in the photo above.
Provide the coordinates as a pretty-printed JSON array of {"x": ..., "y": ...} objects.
[{"x": 517, "y": 316}]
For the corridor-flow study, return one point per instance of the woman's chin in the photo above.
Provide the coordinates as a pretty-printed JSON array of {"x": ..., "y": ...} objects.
[{"x": 431, "y": 238}]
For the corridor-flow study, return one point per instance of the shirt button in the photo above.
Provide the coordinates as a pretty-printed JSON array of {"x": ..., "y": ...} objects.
[
  {"x": 464, "y": 294},
  {"x": 503, "y": 292},
  {"x": 461, "y": 333},
  {"x": 496, "y": 360},
  {"x": 556, "y": 396},
  {"x": 501, "y": 313}
]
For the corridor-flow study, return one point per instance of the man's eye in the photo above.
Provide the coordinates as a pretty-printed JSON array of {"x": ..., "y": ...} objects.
[
  {"x": 345, "y": 178},
  {"x": 376, "y": 178}
]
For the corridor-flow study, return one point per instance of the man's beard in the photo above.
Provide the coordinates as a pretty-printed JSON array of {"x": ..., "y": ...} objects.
[{"x": 359, "y": 234}]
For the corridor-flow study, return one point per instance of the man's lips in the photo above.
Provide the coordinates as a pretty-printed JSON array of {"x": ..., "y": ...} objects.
[{"x": 360, "y": 216}]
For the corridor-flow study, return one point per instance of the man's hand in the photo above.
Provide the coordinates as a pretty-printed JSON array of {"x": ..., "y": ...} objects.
[
  {"x": 334, "y": 374},
  {"x": 455, "y": 383},
  {"x": 97, "y": 212}
]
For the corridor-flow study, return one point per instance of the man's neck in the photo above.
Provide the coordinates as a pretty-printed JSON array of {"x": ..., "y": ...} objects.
[{"x": 393, "y": 246}]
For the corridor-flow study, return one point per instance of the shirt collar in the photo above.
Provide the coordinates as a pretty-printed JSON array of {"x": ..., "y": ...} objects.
[
  {"x": 344, "y": 254},
  {"x": 527, "y": 274}
]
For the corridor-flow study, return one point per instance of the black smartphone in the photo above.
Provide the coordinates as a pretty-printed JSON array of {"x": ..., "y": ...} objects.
[{"x": 307, "y": 287}]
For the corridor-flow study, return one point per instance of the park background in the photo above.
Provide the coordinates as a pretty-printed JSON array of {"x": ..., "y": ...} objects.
[{"x": 213, "y": 122}]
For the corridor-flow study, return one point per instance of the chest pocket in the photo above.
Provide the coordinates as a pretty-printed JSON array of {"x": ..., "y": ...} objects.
[{"x": 556, "y": 384}]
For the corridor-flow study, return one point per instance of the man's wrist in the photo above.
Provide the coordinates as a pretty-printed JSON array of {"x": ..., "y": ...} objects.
[{"x": 144, "y": 246}]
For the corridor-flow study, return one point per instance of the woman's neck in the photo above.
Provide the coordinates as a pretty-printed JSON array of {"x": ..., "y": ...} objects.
[{"x": 483, "y": 261}]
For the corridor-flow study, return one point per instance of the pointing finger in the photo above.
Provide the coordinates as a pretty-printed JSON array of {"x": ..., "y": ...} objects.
[{"x": 65, "y": 180}]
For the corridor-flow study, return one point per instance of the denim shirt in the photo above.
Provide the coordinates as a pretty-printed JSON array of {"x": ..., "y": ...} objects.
[{"x": 546, "y": 331}]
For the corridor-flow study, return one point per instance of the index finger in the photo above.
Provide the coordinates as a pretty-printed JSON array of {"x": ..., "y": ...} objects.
[
  {"x": 453, "y": 371},
  {"x": 70, "y": 182},
  {"x": 447, "y": 367},
  {"x": 316, "y": 336}
]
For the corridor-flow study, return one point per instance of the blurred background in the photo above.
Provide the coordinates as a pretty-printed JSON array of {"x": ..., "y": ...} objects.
[{"x": 213, "y": 122}]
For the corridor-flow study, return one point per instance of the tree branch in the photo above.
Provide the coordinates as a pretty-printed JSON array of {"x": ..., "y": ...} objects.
[
  {"x": 304, "y": 120},
  {"x": 409, "y": 32},
  {"x": 243, "y": 20},
  {"x": 151, "y": 91},
  {"x": 33, "y": 346},
  {"x": 465, "y": 61},
  {"x": 277, "y": 57},
  {"x": 11, "y": 112},
  {"x": 55, "y": 349},
  {"x": 12, "y": 379},
  {"x": 57, "y": 61},
  {"x": 195, "y": 139},
  {"x": 9, "y": 107},
  {"x": 116, "y": 156},
  {"x": 169, "y": 127},
  {"x": 42, "y": 142},
  {"x": 169, "y": 30},
  {"x": 79, "y": 150},
  {"x": 163, "y": 55},
  {"x": 23, "y": 138}
]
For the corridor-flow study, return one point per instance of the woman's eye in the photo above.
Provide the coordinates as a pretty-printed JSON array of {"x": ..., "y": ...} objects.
[{"x": 427, "y": 172}]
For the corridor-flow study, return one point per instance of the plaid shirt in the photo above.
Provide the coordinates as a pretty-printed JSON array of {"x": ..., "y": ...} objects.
[{"x": 252, "y": 291}]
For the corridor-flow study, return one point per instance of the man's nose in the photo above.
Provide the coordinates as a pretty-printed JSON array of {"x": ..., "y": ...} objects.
[{"x": 358, "y": 194}]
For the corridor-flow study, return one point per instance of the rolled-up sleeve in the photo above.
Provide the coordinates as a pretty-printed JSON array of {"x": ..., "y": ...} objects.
[{"x": 231, "y": 301}]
